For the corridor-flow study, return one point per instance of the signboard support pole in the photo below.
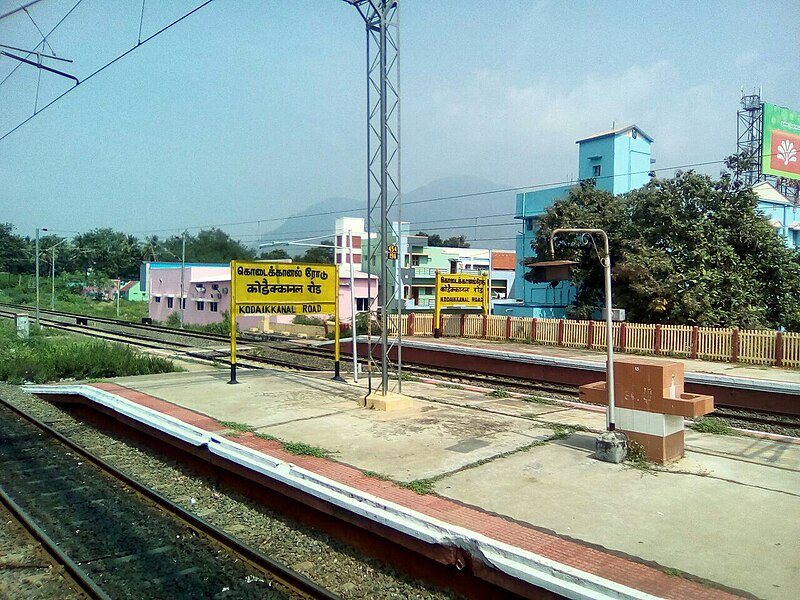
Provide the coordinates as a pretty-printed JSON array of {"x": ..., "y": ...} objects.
[
  {"x": 233, "y": 323},
  {"x": 337, "y": 376},
  {"x": 437, "y": 311}
]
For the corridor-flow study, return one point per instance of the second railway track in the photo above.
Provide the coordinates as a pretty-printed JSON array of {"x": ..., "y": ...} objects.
[
  {"x": 275, "y": 350},
  {"x": 119, "y": 539}
]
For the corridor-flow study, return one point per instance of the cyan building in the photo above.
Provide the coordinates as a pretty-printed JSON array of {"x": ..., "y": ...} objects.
[
  {"x": 782, "y": 213},
  {"x": 618, "y": 161}
]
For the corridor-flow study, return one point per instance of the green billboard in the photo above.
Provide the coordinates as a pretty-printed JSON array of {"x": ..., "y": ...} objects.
[{"x": 780, "y": 147}]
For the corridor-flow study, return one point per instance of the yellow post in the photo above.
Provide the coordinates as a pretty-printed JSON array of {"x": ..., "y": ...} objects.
[
  {"x": 437, "y": 311},
  {"x": 487, "y": 291},
  {"x": 233, "y": 322}
]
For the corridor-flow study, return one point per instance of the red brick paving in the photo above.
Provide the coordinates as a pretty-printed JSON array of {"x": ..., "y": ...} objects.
[{"x": 592, "y": 560}]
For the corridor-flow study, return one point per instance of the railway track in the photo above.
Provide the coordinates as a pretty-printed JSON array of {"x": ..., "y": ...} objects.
[
  {"x": 117, "y": 538},
  {"x": 272, "y": 350}
]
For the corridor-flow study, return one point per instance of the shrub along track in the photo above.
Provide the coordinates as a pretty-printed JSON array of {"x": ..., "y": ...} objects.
[{"x": 116, "y": 537}]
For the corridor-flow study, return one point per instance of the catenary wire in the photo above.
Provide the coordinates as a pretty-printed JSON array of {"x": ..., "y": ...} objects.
[
  {"x": 105, "y": 66},
  {"x": 421, "y": 201}
]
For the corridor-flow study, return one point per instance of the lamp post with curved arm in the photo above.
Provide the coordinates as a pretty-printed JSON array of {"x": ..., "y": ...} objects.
[{"x": 605, "y": 260}]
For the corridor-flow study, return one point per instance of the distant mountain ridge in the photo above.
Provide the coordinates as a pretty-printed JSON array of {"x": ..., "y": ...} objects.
[{"x": 450, "y": 206}]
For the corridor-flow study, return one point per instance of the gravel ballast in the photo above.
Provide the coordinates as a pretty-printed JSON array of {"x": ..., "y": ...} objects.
[{"x": 325, "y": 560}]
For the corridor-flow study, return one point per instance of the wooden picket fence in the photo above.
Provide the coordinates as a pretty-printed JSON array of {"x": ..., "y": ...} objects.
[{"x": 754, "y": 346}]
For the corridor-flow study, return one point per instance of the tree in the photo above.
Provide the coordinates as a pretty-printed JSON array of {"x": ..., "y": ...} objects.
[
  {"x": 16, "y": 252},
  {"x": 208, "y": 246},
  {"x": 111, "y": 252},
  {"x": 457, "y": 241},
  {"x": 318, "y": 255},
  {"x": 685, "y": 250},
  {"x": 433, "y": 240},
  {"x": 279, "y": 254}
]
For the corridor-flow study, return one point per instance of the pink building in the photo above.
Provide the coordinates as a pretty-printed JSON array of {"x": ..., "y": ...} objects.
[{"x": 207, "y": 294}]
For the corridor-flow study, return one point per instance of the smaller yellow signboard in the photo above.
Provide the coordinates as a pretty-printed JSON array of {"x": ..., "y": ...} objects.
[{"x": 460, "y": 289}]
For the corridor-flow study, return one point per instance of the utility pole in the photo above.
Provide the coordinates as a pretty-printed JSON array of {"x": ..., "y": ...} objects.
[
  {"x": 383, "y": 165},
  {"x": 38, "y": 325},
  {"x": 183, "y": 272},
  {"x": 352, "y": 306}
]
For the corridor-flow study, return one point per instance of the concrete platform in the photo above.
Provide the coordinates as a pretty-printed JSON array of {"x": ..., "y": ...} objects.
[{"x": 725, "y": 514}]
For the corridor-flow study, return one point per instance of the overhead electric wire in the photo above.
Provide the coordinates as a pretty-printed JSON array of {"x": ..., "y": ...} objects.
[
  {"x": 423, "y": 201},
  {"x": 69, "y": 12},
  {"x": 16, "y": 10},
  {"x": 108, "y": 64}
]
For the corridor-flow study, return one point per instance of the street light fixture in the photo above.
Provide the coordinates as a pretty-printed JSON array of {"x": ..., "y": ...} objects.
[
  {"x": 349, "y": 249},
  {"x": 605, "y": 260}
]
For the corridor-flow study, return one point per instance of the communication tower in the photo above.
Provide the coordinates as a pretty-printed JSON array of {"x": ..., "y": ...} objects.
[{"x": 749, "y": 146}]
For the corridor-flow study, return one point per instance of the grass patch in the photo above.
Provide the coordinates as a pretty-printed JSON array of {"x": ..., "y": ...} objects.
[
  {"x": 712, "y": 425},
  {"x": 448, "y": 386},
  {"x": 303, "y": 449},
  {"x": 266, "y": 436},
  {"x": 499, "y": 393},
  {"x": 637, "y": 456},
  {"x": 234, "y": 426},
  {"x": 537, "y": 400},
  {"x": 408, "y": 377},
  {"x": 422, "y": 487},
  {"x": 51, "y": 357},
  {"x": 561, "y": 432},
  {"x": 376, "y": 475}
]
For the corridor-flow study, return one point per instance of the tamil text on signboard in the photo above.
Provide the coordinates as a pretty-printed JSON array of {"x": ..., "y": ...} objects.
[
  {"x": 461, "y": 290},
  {"x": 284, "y": 289}
]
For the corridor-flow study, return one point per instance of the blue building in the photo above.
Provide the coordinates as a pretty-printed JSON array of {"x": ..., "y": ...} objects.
[
  {"x": 782, "y": 213},
  {"x": 619, "y": 161}
]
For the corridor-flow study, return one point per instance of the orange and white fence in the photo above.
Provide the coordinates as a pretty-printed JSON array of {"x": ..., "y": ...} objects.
[{"x": 755, "y": 346}]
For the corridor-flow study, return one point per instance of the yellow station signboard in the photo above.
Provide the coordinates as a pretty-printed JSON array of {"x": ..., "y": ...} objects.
[
  {"x": 284, "y": 288},
  {"x": 260, "y": 288}
]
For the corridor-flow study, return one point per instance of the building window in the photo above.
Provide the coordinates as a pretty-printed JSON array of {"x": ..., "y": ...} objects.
[
  {"x": 157, "y": 299},
  {"x": 415, "y": 260},
  {"x": 595, "y": 170},
  {"x": 183, "y": 303},
  {"x": 201, "y": 305},
  {"x": 362, "y": 303},
  {"x": 212, "y": 306},
  {"x": 529, "y": 224},
  {"x": 169, "y": 302},
  {"x": 214, "y": 286}
]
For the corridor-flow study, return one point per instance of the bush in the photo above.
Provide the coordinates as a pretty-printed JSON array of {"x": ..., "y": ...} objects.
[
  {"x": 306, "y": 320},
  {"x": 174, "y": 319},
  {"x": 363, "y": 323},
  {"x": 46, "y": 357}
]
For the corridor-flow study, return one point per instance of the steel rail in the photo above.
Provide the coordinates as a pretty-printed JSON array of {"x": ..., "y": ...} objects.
[
  {"x": 287, "y": 577},
  {"x": 74, "y": 572}
]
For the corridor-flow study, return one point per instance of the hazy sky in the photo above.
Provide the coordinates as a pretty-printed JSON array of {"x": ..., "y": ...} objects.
[{"x": 252, "y": 110}]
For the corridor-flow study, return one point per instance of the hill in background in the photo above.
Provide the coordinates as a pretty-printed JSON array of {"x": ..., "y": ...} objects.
[{"x": 448, "y": 207}]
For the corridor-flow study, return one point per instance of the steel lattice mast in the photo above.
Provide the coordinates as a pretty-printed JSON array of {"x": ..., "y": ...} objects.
[{"x": 383, "y": 171}]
